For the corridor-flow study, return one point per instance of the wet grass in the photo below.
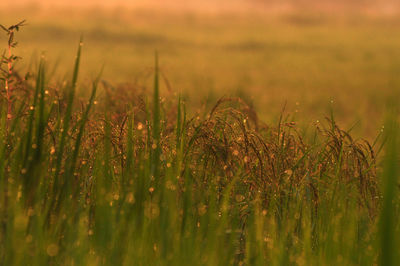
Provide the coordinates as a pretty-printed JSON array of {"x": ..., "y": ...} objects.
[{"x": 118, "y": 179}]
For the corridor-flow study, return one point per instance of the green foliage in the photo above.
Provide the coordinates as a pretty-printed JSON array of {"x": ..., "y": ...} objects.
[
  {"x": 114, "y": 182},
  {"x": 390, "y": 209}
]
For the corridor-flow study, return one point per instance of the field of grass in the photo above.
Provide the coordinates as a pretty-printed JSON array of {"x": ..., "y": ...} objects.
[
  {"x": 305, "y": 61},
  {"x": 146, "y": 164}
]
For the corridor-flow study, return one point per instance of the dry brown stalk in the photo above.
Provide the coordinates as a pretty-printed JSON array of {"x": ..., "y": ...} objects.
[{"x": 9, "y": 59}]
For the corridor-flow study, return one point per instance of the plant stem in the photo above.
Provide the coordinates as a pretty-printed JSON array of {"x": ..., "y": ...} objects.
[{"x": 8, "y": 87}]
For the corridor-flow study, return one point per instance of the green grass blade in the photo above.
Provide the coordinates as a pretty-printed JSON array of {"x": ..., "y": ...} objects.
[
  {"x": 389, "y": 250},
  {"x": 156, "y": 125}
]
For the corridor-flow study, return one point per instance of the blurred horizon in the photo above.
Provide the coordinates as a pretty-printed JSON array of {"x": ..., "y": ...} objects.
[{"x": 366, "y": 7}]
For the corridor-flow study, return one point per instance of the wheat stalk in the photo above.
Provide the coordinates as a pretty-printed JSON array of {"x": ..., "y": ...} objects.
[{"x": 9, "y": 59}]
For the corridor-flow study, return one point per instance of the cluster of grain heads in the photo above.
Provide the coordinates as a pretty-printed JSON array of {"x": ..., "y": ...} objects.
[
  {"x": 9, "y": 60},
  {"x": 133, "y": 183}
]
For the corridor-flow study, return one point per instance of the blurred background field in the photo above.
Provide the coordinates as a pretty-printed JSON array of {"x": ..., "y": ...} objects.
[{"x": 310, "y": 56}]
